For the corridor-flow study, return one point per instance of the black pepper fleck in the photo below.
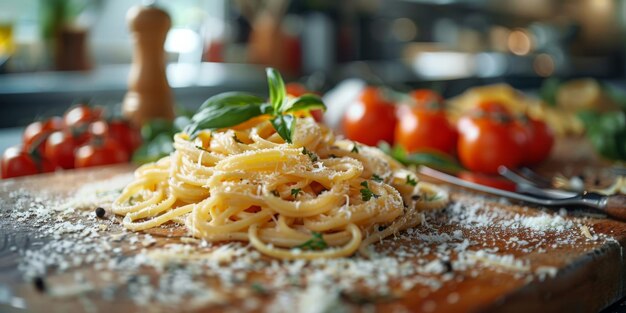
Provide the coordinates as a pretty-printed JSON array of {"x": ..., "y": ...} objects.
[
  {"x": 415, "y": 197},
  {"x": 39, "y": 284},
  {"x": 447, "y": 265},
  {"x": 100, "y": 212}
]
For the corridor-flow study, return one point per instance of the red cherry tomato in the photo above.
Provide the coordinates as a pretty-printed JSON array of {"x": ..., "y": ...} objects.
[
  {"x": 60, "y": 148},
  {"x": 80, "y": 115},
  {"x": 17, "y": 162},
  {"x": 125, "y": 134},
  {"x": 371, "y": 119},
  {"x": 98, "y": 129},
  {"x": 425, "y": 125},
  {"x": 100, "y": 151},
  {"x": 427, "y": 99},
  {"x": 488, "y": 180},
  {"x": 492, "y": 107},
  {"x": 488, "y": 140},
  {"x": 540, "y": 141},
  {"x": 296, "y": 89},
  {"x": 318, "y": 115},
  {"x": 37, "y": 132}
]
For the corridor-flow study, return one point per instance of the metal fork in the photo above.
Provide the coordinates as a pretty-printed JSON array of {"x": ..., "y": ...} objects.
[
  {"x": 531, "y": 183},
  {"x": 614, "y": 206}
]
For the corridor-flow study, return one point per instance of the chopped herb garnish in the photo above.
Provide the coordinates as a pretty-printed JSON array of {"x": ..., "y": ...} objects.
[
  {"x": 275, "y": 193},
  {"x": 311, "y": 155},
  {"x": 366, "y": 193},
  {"x": 410, "y": 180},
  {"x": 377, "y": 178},
  {"x": 201, "y": 148},
  {"x": 355, "y": 148},
  {"x": 295, "y": 192},
  {"x": 236, "y": 139},
  {"x": 100, "y": 212},
  {"x": 258, "y": 288},
  {"x": 431, "y": 197},
  {"x": 316, "y": 242}
]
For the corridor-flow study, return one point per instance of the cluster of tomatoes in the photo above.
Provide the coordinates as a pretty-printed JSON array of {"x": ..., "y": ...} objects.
[
  {"x": 81, "y": 138},
  {"x": 482, "y": 139}
]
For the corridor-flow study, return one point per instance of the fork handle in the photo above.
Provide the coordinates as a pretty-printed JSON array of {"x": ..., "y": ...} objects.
[{"x": 616, "y": 206}]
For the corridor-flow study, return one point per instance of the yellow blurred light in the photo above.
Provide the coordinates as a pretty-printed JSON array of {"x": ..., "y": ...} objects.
[{"x": 601, "y": 5}]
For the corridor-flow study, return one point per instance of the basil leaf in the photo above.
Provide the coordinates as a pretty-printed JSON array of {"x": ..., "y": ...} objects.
[
  {"x": 266, "y": 108},
  {"x": 306, "y": 102},
  {"x": 153, "y": 128},
  {"x": 549, "y": 89},
  {"x": 284, "y": 125},
  {"x": 607, "y": 133},
  {"x": 221, "y": 115},
  {"x": 153, "y": 150},
  {"x": 277, "y": 89},
  {"x": 437, "y": 161},
  {"x": 232, "y": 98}
]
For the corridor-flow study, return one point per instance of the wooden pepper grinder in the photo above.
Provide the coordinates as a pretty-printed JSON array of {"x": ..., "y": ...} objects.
[{"x": 149, "y": 95}]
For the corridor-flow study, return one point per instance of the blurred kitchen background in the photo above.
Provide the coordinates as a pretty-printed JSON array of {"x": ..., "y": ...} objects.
[{"x": 55, "y": 52}]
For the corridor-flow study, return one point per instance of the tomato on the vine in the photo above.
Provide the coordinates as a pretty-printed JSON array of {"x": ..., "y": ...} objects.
[
  {"x": 425, "y": 125},
  {"x": 295, "y": 89},
  {"x": 18, "y": 162},
  {"x": 426, "y": 99},
  {"x": 81, "y": 115},
  {"x": 100, "y": 151},
  {"x": 488, "y": 140},
  {"x": 126, "y": 135},
  {"x": 540, "y": 140},
  {"x": 493, "y": 108},
  {"x": 37, "y": 132},
  {"x": 60, "y": 148},
  {"x": 370, "y": 119}
]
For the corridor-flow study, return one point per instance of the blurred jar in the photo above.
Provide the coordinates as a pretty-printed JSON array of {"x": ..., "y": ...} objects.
[{"x": 65, "y": 28}]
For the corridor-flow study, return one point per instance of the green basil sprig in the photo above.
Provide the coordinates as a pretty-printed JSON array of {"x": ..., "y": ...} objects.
[
  {"x": 233, "y": 108},
  {"x": 435, "y": 160}
]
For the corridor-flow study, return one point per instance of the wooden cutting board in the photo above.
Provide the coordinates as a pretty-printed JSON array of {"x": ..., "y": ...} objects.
[{"x": 479, "y": 254}]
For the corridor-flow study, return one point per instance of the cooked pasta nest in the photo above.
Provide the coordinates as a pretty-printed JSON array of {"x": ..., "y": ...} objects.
[{"x": 316, "y": 197}]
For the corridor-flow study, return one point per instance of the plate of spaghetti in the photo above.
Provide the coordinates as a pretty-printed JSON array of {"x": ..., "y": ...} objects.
[{"x": 265, "y": 172}]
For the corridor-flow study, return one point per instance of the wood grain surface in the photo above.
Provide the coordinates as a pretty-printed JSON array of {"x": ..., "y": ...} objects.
[{"x": 589, "y": 274}]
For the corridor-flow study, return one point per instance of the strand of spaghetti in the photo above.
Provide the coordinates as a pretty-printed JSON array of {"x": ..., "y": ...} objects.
[
  {"x": 119, "y": 207},
  {"x": 410, "y": 219},
  {"x": 433, "y": 197},
  {"x": 343, "y": 251},
  {"x": 153, "y": 210},
  {"x": 172, "y": 214}
]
